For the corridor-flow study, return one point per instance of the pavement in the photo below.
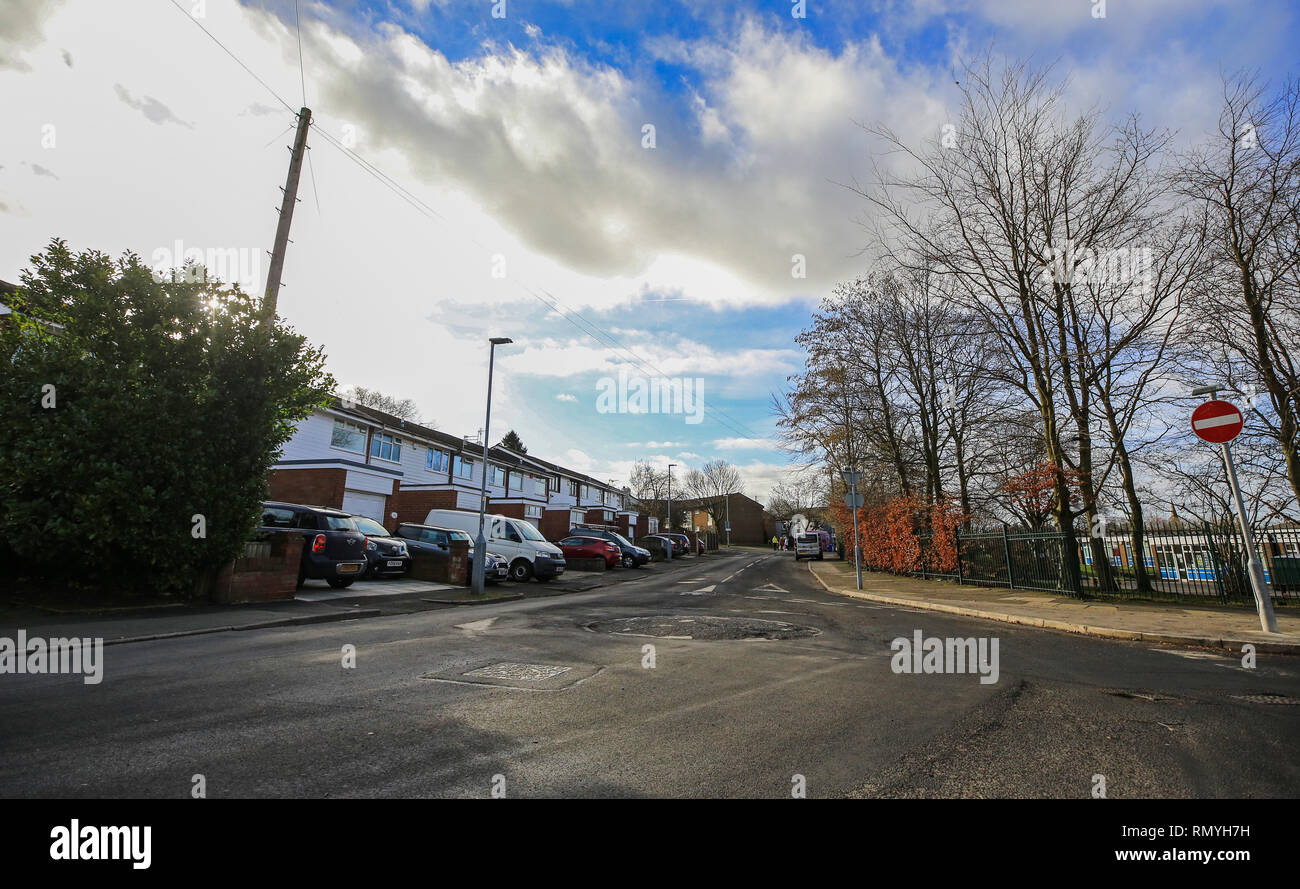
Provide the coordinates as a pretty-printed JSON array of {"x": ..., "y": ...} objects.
[
  {"x": 1177, "y": 624},
  {"x": 316, "y": 602}
]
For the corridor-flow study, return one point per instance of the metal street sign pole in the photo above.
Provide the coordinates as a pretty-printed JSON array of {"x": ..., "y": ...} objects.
[
  {"x": 1219, "y": 422},
  {"x": 1263, "y": 603}
]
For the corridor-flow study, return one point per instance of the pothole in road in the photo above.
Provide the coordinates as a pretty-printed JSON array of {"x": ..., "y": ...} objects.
[
  {"x": 704, "y": 628},
  {"x": 1268, "y": 699}
]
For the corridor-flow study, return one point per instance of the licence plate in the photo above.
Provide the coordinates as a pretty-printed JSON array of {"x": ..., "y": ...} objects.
[
  {"x": 394, "y": 564},
  {"x": 349, "y": 569}
]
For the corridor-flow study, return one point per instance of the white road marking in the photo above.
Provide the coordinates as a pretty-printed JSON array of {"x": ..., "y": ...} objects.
[{"x": 1221, "y": 420}]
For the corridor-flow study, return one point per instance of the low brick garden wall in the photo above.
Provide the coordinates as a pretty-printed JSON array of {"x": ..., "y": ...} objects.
[
  {"x": 451, "y": 569},
  {"x": 266, "y": 572}
]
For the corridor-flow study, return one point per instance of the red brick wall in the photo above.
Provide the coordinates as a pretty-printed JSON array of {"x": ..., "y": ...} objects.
[
  {"x": 513, "y": 510},
  {"x": 311, "y": 487},
  {"x": 437, "y": 569},
  {"x": 596, "y": 517},
  {"x": 262, "y": 579},
  {"x": 414, "y": 506},
  {"x": 627, "y": 526},
  {"x": 555, "y": 524}
]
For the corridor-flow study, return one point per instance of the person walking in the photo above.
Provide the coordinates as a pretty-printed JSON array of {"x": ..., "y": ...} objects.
[{"x": 774, "y": 542}]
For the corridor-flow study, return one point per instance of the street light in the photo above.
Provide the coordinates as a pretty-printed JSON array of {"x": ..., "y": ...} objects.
[
  {"x": 480, "y": 544},
  {"x": 670, "y": 510}
]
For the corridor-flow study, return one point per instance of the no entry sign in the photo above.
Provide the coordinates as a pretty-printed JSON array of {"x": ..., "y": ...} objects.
[{"x": 1217, "y": 422}]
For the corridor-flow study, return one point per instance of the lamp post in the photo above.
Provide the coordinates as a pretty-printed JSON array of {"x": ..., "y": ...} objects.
[
  {"x": 670, "y": 510},
  {"x": 480, "y": 544},
  {"x": 728, "y": 520}
]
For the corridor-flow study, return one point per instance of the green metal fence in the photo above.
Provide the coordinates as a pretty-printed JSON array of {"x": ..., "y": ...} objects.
[{"x": 1198, "y": 564}]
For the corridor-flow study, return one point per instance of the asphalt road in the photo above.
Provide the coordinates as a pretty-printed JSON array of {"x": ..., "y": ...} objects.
[{"x": 274, "y": 712}]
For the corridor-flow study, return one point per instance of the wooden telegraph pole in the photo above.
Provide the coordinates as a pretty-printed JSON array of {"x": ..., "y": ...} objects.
[{"x": 286, "y": 214}]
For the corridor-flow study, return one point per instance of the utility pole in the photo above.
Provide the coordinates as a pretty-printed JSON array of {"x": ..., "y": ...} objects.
[{"x": 287, "y": 204}]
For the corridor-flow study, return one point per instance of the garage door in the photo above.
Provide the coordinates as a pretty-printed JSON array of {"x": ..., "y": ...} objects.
[{"x": 361, "y": 503}]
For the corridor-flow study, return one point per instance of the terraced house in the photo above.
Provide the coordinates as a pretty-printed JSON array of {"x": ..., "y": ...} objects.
[{"x": 368, "y": 462}]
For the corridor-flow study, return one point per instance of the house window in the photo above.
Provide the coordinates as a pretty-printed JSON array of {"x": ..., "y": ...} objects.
[
  {"x": 585, "y": 492},
  {"x": 435, "y": 459},
  {"x": 462, "y": 467},
  {"x": 539, "y": 487},
  {"x": 532, "y": 512},
  {"x": 609, "y": 516},
  {"x": 516, "y": 481},
  {"x": 349, "y": 437},
  {"x": 386, "y": 447},
  {"x": 496, "y": 475},
  {"x": 573, "y": 488},
  {"x": 576, "y": 517}
]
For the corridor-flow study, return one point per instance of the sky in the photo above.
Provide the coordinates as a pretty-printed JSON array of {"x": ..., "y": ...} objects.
[{"x": 656, "y": 188}]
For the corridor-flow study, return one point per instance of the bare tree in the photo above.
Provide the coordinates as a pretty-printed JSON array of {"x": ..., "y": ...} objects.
[
  {"x": 1244, "y": 180},
  {"x": 710, "y": 485},
  {"x": 403, "y": 409}
]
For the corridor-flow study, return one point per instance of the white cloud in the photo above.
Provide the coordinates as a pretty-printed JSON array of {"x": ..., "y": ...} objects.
[
  {"x": 731, "y": 444},
  {"x": 565, "y": 396}
]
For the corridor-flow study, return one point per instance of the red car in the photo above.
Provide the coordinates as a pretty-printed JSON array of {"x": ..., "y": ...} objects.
[{"x": 591, "y": 548}]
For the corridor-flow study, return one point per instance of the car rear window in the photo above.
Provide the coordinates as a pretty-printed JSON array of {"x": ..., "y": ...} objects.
[
  {"x": 275, "y": 517},
  {"x": 339, "y": 523}
]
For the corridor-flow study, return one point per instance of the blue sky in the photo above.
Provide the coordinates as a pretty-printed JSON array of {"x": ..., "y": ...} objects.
[{"x": 522, "y": 139}]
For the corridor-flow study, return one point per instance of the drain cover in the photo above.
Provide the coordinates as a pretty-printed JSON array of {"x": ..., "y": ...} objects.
[
  {"x": 519, "y": 672},
  {"x": 510, "y": 674},
  {"x": 1268, "y": 699},
  {"x": 702, "y": 627}
]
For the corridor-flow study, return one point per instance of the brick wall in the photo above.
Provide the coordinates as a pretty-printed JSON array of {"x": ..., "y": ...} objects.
[
  {"x": 451, "y": 569},
  {"x": 268, "y": 575},
  {"x": 312, "y": 487},
  {"x": 555, "y": 524},
  {"x": 414, "y": 506}
]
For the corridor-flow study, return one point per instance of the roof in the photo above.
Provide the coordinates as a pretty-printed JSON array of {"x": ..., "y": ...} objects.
[{"x": 502, "y": 456}]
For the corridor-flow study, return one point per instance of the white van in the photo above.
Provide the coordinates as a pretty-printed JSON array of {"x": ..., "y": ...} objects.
[{"x": 523, "y": 546}]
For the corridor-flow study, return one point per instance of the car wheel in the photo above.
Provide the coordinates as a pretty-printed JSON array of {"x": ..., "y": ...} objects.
[
  {"x": 521, "y": 571},
  {"x": 340, "y": 583},
  {"x": 629, "y": 562}
]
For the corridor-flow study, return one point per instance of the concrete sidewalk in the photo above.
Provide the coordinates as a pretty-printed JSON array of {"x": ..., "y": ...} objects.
[
  {"x": 1179, "y": 624},
  {"x": 145, "y": 624}
]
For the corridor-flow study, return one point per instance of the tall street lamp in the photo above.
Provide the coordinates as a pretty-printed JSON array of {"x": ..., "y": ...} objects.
[
  {"x": 670, "y": 509},
  {"x": 480, "y": 544}
]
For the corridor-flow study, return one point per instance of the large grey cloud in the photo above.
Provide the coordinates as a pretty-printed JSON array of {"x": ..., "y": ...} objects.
[{"x": 742, "y": 175}]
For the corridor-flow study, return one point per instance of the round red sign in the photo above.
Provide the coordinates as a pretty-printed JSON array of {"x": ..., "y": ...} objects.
[{"x": 1217, "y": 422}]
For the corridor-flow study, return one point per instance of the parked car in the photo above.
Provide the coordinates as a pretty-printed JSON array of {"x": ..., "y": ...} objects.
[
  {"x": 591, "y": 548},
  {"x": 677, "y": 545},
  {"x": 809, "y": 545},
  {"x": 333, "y": 549},
  {"x": 386, "y": 554},
  {"x": 633, "y": 556},
  {"x": 437, "y": 542},
  {"x": 528, "y": 552},
  {"x": 685, "y": 541}
]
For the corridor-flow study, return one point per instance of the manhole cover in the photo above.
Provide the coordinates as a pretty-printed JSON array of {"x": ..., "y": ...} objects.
[
  {"x": 702, "y": 627},
  {"x": 518, "y": 672},
  {"x": 511, "y": 674},
  {"x": 1268, "y": 699}
]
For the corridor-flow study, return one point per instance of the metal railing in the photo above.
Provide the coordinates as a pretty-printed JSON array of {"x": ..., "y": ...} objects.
[{"x": 1200, "y": 564}]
